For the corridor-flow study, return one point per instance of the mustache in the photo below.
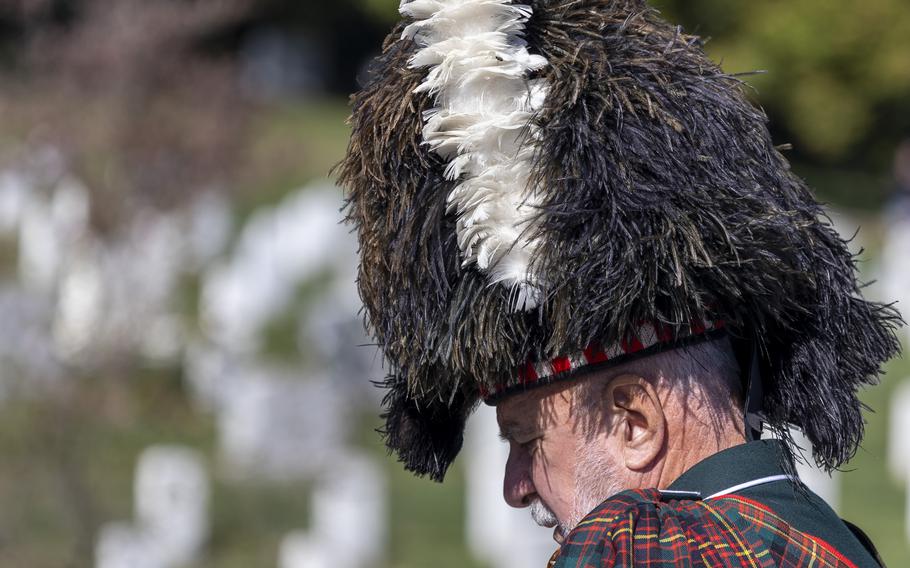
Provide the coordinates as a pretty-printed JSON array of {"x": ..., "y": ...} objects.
[{"x": 542, "y": 514}]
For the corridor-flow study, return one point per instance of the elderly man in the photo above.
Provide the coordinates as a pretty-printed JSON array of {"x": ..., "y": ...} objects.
[
  {"x": 670, "y": 421},
  {"x": 566, "y": 210}
]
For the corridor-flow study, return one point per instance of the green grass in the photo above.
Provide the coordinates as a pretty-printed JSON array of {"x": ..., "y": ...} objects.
[
  {"x": 9, "y": 256},
  {"x": 69, "y": 459},
  {"x": 292, "y": 145},
  {"x": 249, "y": 520}
]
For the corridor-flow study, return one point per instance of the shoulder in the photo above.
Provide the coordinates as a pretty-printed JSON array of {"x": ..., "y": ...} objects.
[
  {"x": 643, "y": 526},
  {"x": 628, "y": 525}
]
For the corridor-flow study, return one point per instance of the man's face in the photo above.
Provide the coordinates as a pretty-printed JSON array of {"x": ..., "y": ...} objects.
[{"x": 559, "y": 456}]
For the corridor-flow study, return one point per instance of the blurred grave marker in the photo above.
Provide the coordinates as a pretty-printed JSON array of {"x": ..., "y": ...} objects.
[
  {"x": 825, "y": 485},
  {"x": 172, "y": 495},
  {"x": 344, "y": 348},
  {"x": 350, "y": 493},
  {"x": 14, "y": 198},
  {"x": 907, "y": 512},
  {"x": 275, "y": 426},
  {"x": 899, "y": 433},
  {"x": 39, "y": 252},
  {"x": 27, "y": 360},
  {"x": 48, "y": 230},
  {"x": 122, "y": 545},
  {"x": 208, "y": 225},
  {"x": 80, "y": 303},
  {"x": 895, "y": 265},
  {"x": 300, "y": 549},
  {"x": 278, "y": 249}
]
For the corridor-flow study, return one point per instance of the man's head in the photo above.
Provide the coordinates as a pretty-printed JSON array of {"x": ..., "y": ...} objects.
[
  {"x": 639, "y": 424},
  {"x": 538, "y": 186}
]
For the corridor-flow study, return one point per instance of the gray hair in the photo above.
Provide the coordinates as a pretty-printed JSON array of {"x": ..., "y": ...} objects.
[{"x": 706, "y": 376}]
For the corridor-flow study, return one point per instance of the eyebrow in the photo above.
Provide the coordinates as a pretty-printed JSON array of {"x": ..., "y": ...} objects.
[{"x": 511, "y": 430}]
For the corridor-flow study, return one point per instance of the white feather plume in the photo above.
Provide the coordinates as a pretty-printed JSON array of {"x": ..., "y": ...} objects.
[{"x": 478, "y": 65}]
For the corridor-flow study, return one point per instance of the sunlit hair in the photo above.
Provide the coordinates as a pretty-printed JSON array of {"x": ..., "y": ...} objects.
[{"x": 706, "y": 376}]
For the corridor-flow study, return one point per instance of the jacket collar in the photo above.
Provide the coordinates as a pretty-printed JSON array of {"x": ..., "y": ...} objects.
[{"x": 733, "y": 466}]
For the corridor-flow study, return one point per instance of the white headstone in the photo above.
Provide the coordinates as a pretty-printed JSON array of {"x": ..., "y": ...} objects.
[
  {"x": 172, "y": 495},
  {"x": 907, "y": 512},
  {"x": 122, "y": 545},
  {"x": 115, "y": 296},
  {"x": 300, "y": 549},
  {"x": 351, "y": 493},
  {"x": 894, "y": 273},
  {"x": 80, "y": 303},
  {"x": 344, "y": 350},
  {"x": 69, "y": 206},
  {"x": 209, "y": 228},
  {"x": 825, "y": 485},
  {"x": 39, "y": 251},
  {"x": 277, "y": 250},
  {"x": 280, "y": 427},
  {"x": 14, "y": 195},
  {"x": 27, "y": 358},
  {"x": 899, "y": 433},
  {"x": 497, "y": 533}
]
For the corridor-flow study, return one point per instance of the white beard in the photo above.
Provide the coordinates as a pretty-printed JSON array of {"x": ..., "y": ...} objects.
[
  {"x": 597, "y": 478},
  {"x": 604, "y": 481},
  {"x": 542, "y": 514}
]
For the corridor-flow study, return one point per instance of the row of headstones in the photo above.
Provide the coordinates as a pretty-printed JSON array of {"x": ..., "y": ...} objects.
[
  {"x": 282, "y": 423},
  {"x": 171, "y": 524},
  {"x": 272, "y": 424}
]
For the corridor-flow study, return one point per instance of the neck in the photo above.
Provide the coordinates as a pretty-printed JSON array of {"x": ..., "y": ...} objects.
[{"x": 695, "y": 441}]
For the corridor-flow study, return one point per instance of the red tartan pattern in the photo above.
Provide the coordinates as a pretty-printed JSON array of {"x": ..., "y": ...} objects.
[
  {"x": 637, "y": 528},
  {"x": 648, "y": 336}
]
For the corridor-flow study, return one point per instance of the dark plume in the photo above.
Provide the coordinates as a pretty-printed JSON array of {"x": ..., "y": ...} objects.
[{"x": 667, "y": 202}]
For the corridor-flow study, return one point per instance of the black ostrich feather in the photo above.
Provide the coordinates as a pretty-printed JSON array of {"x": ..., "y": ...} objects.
[{"x": 666, "y": 201}]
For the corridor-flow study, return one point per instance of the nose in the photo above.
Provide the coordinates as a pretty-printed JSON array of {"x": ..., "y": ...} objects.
[{"x": 517, "y": 487}]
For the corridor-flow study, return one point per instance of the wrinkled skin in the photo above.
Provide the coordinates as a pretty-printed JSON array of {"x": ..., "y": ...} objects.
[{"x": 573, "y": 445}]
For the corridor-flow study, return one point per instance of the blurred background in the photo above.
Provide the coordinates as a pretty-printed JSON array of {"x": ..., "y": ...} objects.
[{"x": 183, "y": 376}]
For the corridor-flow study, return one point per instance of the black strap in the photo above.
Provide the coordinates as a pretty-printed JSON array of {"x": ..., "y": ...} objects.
[
  {"x": 867, "y": 543},
  {"x": 752, "y": 408},
  {"x": 676, "y": 495}
]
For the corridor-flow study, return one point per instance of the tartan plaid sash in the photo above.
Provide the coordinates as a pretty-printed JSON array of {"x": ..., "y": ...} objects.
[{"x": 642, "y": 528}]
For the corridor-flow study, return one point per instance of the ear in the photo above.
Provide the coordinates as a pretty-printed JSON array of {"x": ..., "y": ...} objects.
[{"x": 639, "y": 418}]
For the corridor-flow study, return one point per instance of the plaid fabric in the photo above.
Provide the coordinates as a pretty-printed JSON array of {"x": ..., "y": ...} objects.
[{"x": 638, "y": 528}]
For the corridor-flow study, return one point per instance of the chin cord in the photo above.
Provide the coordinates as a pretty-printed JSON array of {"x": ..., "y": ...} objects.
[{"x": 752, "y": 409}]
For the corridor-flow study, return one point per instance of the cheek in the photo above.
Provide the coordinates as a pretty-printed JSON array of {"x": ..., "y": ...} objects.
[{"x": 553, "y": 468}]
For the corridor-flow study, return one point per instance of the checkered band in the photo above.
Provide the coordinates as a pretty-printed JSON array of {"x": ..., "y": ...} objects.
[{"x": 649, "y": 338}]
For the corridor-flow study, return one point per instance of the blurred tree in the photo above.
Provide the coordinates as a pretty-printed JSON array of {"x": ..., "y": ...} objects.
[
  {"x": 838, "y": 73},
  {"x": 125, "y": 94},
  {"x": 350, "y": 32},
  {"x": 837, "y": 81}
]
